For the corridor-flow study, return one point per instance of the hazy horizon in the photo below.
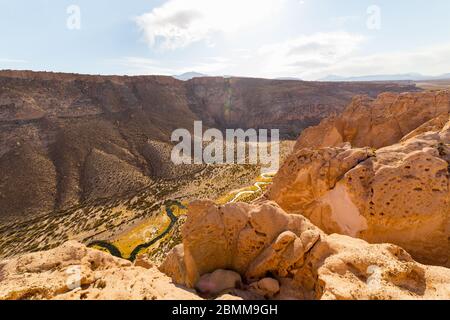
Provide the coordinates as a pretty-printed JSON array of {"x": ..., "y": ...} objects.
[{"x": 309, "y": 40}]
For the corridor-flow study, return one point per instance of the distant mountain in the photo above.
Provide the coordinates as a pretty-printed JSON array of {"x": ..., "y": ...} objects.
[
  {"x": 387, "y": 77},
  {"x": 189, "y": 75}
]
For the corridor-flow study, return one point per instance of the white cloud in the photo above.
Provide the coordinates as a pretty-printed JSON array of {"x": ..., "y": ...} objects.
[
  {"x": 431, "y": 60},
  {"x": 293, "y": 57},
  {"x": 318, "y": 55},
  {"x": 309, "y": 57},
  {"x": 179, "y": 23},
  {"x": 13, "y": 61},
  {"x": 288, "y": 58},
  {"x": 342, "y": 21}
]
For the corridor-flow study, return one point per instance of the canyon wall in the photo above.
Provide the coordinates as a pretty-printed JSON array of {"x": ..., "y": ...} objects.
[{"x": 66, "y": 139}]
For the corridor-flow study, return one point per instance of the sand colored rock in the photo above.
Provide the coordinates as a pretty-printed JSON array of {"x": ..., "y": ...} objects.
[
  {"x": 348, "y": 268},
  {"x": 232, "y": 237},
  {"x": 379, "y": 122},
  {"x": 267, "y": 287},
  {"x": 295, "y": 260},
  {"x": 75, "y": 272},
  {"x": 397, "y": 194},
  {"x": 301, "y": 259},
  {"x": 308, "y": 175},
  {"x": 212, "y": 284}
]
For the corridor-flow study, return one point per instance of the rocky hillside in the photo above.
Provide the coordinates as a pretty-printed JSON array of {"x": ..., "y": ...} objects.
[
  {"x": 67, "y": 139},
  {"x": 392, "y": 186}
]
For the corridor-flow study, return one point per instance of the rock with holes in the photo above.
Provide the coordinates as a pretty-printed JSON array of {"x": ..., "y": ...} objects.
[
  {"x": 380, "y": 122},
  {"x": 75, "y": 272},
  {"x": 295, "y": 260},
  {"x": 306, "y": 264},
  {"x": 398, "y": 194},
  {"x": 307, "y": 175},
  {"x": 249, "y": 239},
  {"x": 345, "y": 268}
]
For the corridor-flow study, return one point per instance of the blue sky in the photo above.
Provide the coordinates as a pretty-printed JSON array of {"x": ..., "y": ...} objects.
[{"x": 309, "y": 39}]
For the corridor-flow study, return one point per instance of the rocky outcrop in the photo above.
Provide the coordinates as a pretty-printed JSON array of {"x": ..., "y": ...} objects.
[
  {"x": 380, "y": 122},
  {"x": 236, "y": 251},
  {"x": 75, "y": 272},
  {"x": 397, "y": 194},
  {"x": 284, "y": 256},
  {"x": 233, "y": 237}
]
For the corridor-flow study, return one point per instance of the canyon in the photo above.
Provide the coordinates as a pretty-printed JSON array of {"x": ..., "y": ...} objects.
[
  {"x": 68, "y": 139},
  {"x": 360, "y": 208}
]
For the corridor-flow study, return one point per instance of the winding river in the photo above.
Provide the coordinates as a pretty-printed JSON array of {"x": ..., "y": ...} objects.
[{"x": 113, "y": 250}]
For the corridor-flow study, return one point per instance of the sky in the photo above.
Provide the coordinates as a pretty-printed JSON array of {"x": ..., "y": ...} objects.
[{"x": 307, "y": 39}]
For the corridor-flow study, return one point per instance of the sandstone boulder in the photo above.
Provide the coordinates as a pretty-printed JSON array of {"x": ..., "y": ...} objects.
[
  {"x": 212, "y": 284},
  {"x": 75, "y": 272},
  {"x": 379, "y": 122},
  {"x": 267, "y": 287},
  {"x": 299, "y": 257},
  {"x": 398, "y": 194},
  {"x": 238, "y": 237}
]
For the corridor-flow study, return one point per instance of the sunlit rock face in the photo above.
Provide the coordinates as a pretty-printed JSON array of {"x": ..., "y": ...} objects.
[
  {"x": 396, "y": 194},
  {"x": 75, "y": 272},
  {"x": 236, "y": 251},
  {"x": 380, "y": 122},
  {"x": 284, "y": 256}
]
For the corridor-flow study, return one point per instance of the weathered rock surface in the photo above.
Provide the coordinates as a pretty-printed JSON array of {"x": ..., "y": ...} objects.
[
  {"x": 379, "y": 122},
  {"x": 267, "y": 287},
  {"x": 212, "y": 284},
  {"x": 262, "y": 240},
  {"x": 397, "y": 194},
  {"x": 75, "y": 272},
  {"x": 240, "y": 237},
  {"x": 286, "y": 259}
]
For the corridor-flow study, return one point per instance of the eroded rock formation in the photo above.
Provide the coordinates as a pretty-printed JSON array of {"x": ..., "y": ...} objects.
[
  {"x": 378, "y": 172},
  {"x": 236, "y": 251},
  {"x": 75, "y": 272},
  {"x": 380, "y": 122},
  {"x": 284, "y": 256},
  {"x": 396, "y": 194}
]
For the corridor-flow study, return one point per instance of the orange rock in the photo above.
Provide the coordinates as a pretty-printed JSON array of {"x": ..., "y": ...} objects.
[
  {"x": 302, "y": 260},
  {"x": 397, "y": 194},
  {"x": 377, "y": 123}
]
